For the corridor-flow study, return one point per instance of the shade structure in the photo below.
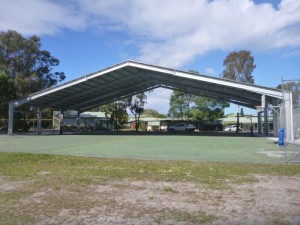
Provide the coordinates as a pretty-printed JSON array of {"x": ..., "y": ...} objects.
[{"x": 129, "y": 78}]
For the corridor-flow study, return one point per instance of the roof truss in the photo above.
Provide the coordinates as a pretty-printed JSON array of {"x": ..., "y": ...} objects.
[{"x": 129, "y": 78}]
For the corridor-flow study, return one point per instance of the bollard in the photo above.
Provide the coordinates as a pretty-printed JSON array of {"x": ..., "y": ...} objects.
[{"x": 281, "y": 137}]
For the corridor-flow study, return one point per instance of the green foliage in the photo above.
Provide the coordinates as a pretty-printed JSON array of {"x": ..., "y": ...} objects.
[
  {"x": 180, "y": 105},
  {"x": 24, "y": 69},
  {"x": 107, "y": 109},
  {"x": 142, "y": 127},
  {"x": 116, "y": 111},
  {"x": 153, "y": 113},
  {"x": 6, "y": 94},
  {"x": 29, "y": 66},
  {"x": 208, "y": 109},
  {"x": 136, "y": 107},
  {"x": 188, "y": 106},
  {"x": 239, "y": 66},
  {"x": 230, "y": 115}
]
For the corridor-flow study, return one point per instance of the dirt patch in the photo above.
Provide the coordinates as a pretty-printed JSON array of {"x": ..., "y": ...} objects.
[
  {"x": 6, "y": 185},
  {"x": 272, "y": 200},
  {"x": 274, "y": 154}
]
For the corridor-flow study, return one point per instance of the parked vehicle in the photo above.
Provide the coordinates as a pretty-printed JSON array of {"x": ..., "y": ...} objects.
[
  {"x": 232, "y": 128},
  {"x": 182, "y": 127}
]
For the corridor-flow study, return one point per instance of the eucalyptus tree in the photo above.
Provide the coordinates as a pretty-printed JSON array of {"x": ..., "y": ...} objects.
[
  {"x": 136, "y": 106},
  {"x": 26, "y": 66},
  {"x": 180, "y": 105},
  {"x": 189, "y": 106},
  {"x": 115, "y": 111},
  {"x": 239, "y": 66}
]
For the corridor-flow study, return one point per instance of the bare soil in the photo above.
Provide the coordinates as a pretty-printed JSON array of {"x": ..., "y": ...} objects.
[{"x": 272, "y": 200}]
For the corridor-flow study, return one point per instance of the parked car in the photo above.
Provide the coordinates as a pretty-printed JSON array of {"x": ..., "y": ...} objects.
[
  {"x": 232, "y": 128},
  {"x": 182, "y": 127}
]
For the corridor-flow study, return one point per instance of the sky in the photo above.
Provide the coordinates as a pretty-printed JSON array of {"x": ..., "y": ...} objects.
[{"x": 90, "y": 35}]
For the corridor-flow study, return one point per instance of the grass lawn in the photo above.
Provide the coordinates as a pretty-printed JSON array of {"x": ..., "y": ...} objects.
[
  {"x": 153, "y": 179},
  {"x": 35, "y": 187},
  {"x": 82, "y": 170}
]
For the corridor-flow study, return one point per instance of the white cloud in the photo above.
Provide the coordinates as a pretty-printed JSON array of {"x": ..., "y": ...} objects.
[
  {"x": 39, "y": 17},
  {"x": 171, "y": 32},
  {"x": 159, "y": 100},
  {"x": 174, "y": 32},
  {"x": 210, "y": 72}
]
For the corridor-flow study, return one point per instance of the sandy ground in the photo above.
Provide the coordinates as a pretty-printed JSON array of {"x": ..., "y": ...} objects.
[{"x": 272, "y": 200}]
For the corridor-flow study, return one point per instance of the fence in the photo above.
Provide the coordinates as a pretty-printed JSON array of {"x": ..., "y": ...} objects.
[{"x": 294, "y": 87}]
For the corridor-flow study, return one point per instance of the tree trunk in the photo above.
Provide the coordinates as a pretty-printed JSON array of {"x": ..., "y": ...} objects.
[
  {"x": 237, "y": 123},
  {"x": 137, "y": 123}
]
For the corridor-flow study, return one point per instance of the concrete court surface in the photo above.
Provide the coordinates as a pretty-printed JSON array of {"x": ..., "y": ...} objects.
[{"x": 155, "y": 147}]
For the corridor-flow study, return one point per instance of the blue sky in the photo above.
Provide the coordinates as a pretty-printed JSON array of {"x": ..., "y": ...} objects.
[{"x": 89, "y": 35}]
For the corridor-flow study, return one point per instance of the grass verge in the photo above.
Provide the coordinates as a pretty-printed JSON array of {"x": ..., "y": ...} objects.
[
  {"x": 61, "y": 181},
  {"x": 85, "y": 170}
]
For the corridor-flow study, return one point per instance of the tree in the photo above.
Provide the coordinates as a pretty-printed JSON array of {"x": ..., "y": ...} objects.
[
  {"x": 116, "y": 111},
  {"x": 28, "y": 65},
  {"x": 208, "y": 109},
  {"x": 153, "y": 113},
  {"x": 180, "y": 105},
  {"x": 29, "y": 68},
  {"x": 6, "y": 94},
  {"x": 239, "y": 66},
  {"x": 120, "y": 113},
  {"x": 136, "y": 106},
  {"x": 189, "y": 106}
]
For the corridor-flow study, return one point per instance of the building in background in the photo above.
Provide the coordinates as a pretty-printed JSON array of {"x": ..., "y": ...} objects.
[
  {"x": 162, "y": 124},
  {"x": 87, "y": 121}
]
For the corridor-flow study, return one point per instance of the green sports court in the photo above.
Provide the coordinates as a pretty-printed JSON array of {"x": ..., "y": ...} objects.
[
  {"x": 129, "y": 78},
  {"x": 153, "y": 147}
]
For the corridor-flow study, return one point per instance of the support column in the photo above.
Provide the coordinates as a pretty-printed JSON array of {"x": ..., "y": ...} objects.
[
  {"x": 61, "y": 122},
  {"x": 78, "y": 121},
  {"x": 11, "y": 118},
  {"x": 258, "y": 123},
  {"x": 263, "y": 101},
  {"x": 276, "y": 114},
  {"x": 266, "y": 120},
  {"x": 275, "y": 124},
  {"x": 264, "y": 105},
  {"x": 288, "y": 112},
  {"x": 292, "y": 118},
  {"x": 39, "y": 120}
]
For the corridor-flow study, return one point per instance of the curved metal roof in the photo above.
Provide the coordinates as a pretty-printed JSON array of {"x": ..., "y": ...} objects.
[{"x": 129, "y": 78}]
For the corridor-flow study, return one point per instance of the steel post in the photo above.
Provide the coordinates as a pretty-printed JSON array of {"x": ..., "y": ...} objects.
[{"x": 11, "y": 118}]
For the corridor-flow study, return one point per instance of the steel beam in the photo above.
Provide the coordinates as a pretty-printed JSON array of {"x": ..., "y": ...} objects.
[{"x": 266, "y": 120}]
